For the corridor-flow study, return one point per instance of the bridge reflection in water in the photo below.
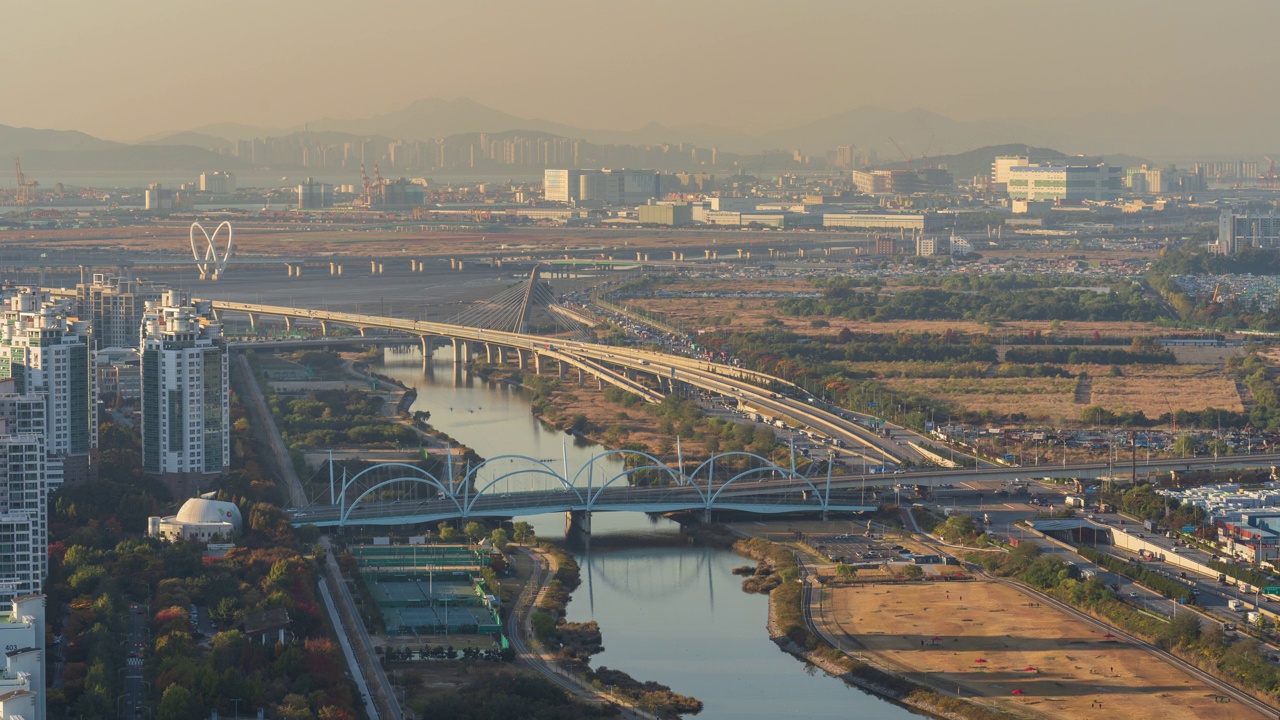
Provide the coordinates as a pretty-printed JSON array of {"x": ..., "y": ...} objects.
[{"x": 404, "y": 494}]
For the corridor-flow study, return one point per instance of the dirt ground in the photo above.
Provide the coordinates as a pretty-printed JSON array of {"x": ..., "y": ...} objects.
[{"x": 1063, "y": 668}]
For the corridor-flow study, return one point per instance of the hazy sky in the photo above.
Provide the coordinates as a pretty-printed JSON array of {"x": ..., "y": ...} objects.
[{"x": 125, "y": 69}]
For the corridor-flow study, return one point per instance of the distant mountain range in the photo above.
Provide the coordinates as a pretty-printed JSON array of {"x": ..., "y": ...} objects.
[
  {"x": 917, "y": 131},
  {"x": 890, "y": 133},
  {"x": 63, "y": 150}
]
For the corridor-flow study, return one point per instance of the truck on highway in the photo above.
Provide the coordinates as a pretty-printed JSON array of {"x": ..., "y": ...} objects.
[{"x": 1235, "y": 605}]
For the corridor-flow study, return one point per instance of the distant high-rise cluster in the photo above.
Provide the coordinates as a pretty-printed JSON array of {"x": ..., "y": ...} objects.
[
  {"x": 113, "y": 306},
  {"x": 467, "y": 152},
  {"x": 185, "y": 405}
]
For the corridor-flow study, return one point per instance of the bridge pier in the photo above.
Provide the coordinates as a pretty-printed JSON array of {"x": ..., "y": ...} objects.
[
  {"x": 362, "y": 332},
  {"x": 537, "y": 364},
  {"x": 560, "y": 369},
  {"x": 324, "y": 327},
  {"x": 580, "y": 377},
  {"x": 520, "y": 358},
  {"x": 253, "y": 321},
  {"x": 426, "y": 351},
  {"x": 500, "y": 353},
  {"x": 488, "y": 353},
  {"x": 457, "y": 351},
  {"x": 577, "y": 522}
]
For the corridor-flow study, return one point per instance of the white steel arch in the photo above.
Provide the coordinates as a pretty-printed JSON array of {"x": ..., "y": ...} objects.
[{"x": 211, "y": 259}]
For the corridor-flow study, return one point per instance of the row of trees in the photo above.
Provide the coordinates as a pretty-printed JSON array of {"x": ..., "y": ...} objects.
[{"x": 1017, "y": 298}]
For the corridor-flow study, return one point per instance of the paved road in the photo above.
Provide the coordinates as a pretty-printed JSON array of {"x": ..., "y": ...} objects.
[
  {"x": 135, "y": 688},
  {"x": 518, "y": 628},
  {"x": 380, "y": 691}
]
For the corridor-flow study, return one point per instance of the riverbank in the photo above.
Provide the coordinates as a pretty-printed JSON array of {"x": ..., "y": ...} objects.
[{"x": 972, "y": 651}]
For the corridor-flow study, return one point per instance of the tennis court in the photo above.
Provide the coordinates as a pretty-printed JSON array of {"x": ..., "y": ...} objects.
[{"x": 428, "y": 590}]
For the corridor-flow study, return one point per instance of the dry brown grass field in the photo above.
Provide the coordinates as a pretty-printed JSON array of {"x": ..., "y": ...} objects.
[
  {"x": 1061, "y": 668},
  {"x": 1043, "y": 399},
  {"x": 1154, "y": 389}
]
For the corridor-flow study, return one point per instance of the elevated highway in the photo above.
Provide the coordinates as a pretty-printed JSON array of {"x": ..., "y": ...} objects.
[{"x": 618, "y": 366}]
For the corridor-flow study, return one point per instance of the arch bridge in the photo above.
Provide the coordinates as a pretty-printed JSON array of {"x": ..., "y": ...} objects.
[{"x": 404, "y": 494}]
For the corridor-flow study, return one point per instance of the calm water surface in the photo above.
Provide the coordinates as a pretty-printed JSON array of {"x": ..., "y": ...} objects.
[{"x": 669, "y": 613}]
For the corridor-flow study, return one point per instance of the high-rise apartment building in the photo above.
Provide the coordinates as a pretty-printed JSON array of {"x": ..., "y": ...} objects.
[
  {"x": 46, "y": 350},
  {"x": 23, "y": 680},
  {"x": 24, "y": 519},
  {"x": 1237, "y": 232},
  {"x": 186, "y": 426},
  {"x": 113, "y": 306}
]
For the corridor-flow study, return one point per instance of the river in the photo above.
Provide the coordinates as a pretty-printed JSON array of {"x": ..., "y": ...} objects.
[{"x": 669, "y": 613}]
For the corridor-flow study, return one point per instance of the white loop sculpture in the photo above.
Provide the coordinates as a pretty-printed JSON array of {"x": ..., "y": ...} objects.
[{"x": 211, "y": 259}]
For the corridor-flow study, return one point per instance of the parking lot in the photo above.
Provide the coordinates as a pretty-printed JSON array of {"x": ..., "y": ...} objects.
[{"x": 861, "y": 550}]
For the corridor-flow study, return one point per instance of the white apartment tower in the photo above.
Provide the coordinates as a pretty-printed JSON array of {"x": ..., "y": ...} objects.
[
  {"x": 186, "y": 425},
  {"x": 45, "y": 350},
  {"x": 22, "y": 678},
  {"x": 24, "y": 518},
  {"x": 24, "y": 529}
]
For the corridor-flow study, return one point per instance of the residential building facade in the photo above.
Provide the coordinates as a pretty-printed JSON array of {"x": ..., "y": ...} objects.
[{"x": 185, "y": 408}]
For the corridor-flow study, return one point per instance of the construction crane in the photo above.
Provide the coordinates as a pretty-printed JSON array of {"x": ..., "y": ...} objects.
[
  {"x": 26, "y": 192},
  {"x": 924, "y": 158},
  {"x": 900, "y": 151},
  {"x": 1216, "y": 290}
]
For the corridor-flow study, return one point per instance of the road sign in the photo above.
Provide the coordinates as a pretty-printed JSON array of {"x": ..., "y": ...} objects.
[{"x": 1271, "y": 590}]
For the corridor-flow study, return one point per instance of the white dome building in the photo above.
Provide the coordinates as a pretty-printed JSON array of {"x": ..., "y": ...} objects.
[{"x": 199, "y": 518}]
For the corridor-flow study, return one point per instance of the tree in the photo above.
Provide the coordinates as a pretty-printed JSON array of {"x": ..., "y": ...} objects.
[
  {"x": 1184, "y": 628},
  {"x": 522, "y": 531},
  {"x": 177, "y": 703},
  {"x": 499, "y": 539},
  {"x": 1185, "y": 445},
  {"x": 846, "y": 572},
  {"x": 913, "y": 572},
  {"x": 473, "y": 530},
  {"x": 448, "y": 533}
]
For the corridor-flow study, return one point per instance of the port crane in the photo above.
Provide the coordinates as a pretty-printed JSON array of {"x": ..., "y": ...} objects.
[{"x": 26, "y": 192}]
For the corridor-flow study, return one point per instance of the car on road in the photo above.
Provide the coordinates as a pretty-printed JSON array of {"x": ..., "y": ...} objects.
[{"x": 1133, "y": 594}]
